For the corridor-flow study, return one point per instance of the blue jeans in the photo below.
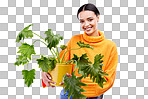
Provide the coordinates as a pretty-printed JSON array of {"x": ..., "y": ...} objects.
[{"x": 65, "y": 95}]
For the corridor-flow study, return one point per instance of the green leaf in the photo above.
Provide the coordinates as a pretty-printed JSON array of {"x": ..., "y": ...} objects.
[
  {"x": 95, "y": 71},
  {"x": 98, "y": 61},
  {"x": 79, "y": 78},
  {"x": 80, "y": 62},
  {"x": 26, "y": 50},
  {"x": 83, "y": 60},
  {"x": 102, "y": 73},
  {"x": 46, "y": 63},
  {"x": 63, "y": 47},
  {"x": 28, "y": 76},
  {"x": 24, "y": 33},
  {"x": 73, "y": 84},
  {"x": 52, "y": 63},
  {"x": 52, "y": 40},
  {"x": 21, "y": 60},
  {"x": 74, "y": 59},
  {"x": 81, "y": 44}
]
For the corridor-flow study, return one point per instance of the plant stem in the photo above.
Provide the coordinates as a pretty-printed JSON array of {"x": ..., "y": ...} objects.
[
  {"x": 35, "y": 41},
  {"x": 52, "y": 53},
  {"x": 39, "y": 40},
  {"x": 58, "y": 54},
  {"x": 27, "y": 65},
  {"x": 65, "y": 59},
  {"x": 34, "y": 58},
  {"x": 45, "y": 44},
  {"x": 38, "y": 55},
  {"x": 66, "y": 52},
  {"x": 39, "y": 36}
]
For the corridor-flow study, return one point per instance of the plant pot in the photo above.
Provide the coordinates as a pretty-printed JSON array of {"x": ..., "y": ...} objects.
[{"x": 59, "y": 71}]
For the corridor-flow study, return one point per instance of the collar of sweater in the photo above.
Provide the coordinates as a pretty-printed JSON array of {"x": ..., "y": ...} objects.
[{"x": 99, "y": 38}]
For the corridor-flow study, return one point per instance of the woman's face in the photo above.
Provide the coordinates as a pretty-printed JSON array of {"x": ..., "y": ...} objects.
[{"x": 89, "y": 22}]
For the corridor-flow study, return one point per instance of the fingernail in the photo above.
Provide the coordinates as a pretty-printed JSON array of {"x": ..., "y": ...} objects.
[
  {"x": 49, "y": 77},
  {"x": 54, "y": 83}
]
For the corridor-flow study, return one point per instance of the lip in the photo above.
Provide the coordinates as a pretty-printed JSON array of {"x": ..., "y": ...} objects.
[{"x": 87, "y": 28}]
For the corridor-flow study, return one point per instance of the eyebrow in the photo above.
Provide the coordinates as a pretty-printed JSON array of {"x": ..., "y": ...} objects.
[{"x": 87, "y": 18}]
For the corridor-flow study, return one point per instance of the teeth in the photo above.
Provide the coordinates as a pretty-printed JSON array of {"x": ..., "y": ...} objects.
[{"x": 88, "y": 28}]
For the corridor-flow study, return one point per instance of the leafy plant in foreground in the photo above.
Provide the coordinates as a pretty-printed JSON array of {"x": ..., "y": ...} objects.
[
  {"x": 84, "y": 65},
  {"x": 51, "y": 41}
]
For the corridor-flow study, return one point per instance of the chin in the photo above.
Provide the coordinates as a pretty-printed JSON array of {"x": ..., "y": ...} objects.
[{"x": 90, "y": 32}]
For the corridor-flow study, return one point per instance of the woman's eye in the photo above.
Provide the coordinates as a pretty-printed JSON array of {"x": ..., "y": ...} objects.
[
  {"x": 81, "y": 21},
  {"x": 90, "y": 19}
]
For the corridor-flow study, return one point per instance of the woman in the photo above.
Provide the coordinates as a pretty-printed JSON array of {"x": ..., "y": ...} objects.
[{"x": 88, "y": 16}]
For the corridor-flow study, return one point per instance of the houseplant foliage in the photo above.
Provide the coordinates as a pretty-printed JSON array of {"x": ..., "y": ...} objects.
[
  {"x": 84, "y": 65},
  {"x": 85, "y": 68}
]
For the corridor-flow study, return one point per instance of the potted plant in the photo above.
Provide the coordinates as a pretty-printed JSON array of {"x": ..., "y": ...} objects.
[{"x": 56, "y": 67}]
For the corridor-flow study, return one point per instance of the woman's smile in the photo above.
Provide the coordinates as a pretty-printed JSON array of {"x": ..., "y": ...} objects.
[{"x": 88, "y": 29}]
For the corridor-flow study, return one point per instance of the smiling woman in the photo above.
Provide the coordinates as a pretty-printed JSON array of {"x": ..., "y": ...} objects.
[{"x": 88, "y": 16}]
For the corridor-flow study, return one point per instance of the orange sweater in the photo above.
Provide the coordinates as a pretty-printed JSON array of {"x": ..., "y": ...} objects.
[{"x": 110, "y": 60}]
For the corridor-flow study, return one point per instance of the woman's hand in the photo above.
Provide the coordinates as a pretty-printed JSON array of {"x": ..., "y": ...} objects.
[
  {"x": 68, "y": 75},
  {"x": 47, "y": 79}
]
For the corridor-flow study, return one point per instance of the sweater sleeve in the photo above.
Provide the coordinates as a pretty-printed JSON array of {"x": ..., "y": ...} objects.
[
  {"x": 67, "y": 57},
  {"x": 110, "y": 69}
]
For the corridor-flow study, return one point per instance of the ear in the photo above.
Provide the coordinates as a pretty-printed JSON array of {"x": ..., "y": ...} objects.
[{"x": 98, "y": 18}]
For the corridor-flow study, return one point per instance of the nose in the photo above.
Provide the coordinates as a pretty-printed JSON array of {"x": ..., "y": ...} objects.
[{"x": 86, "y": 24}]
